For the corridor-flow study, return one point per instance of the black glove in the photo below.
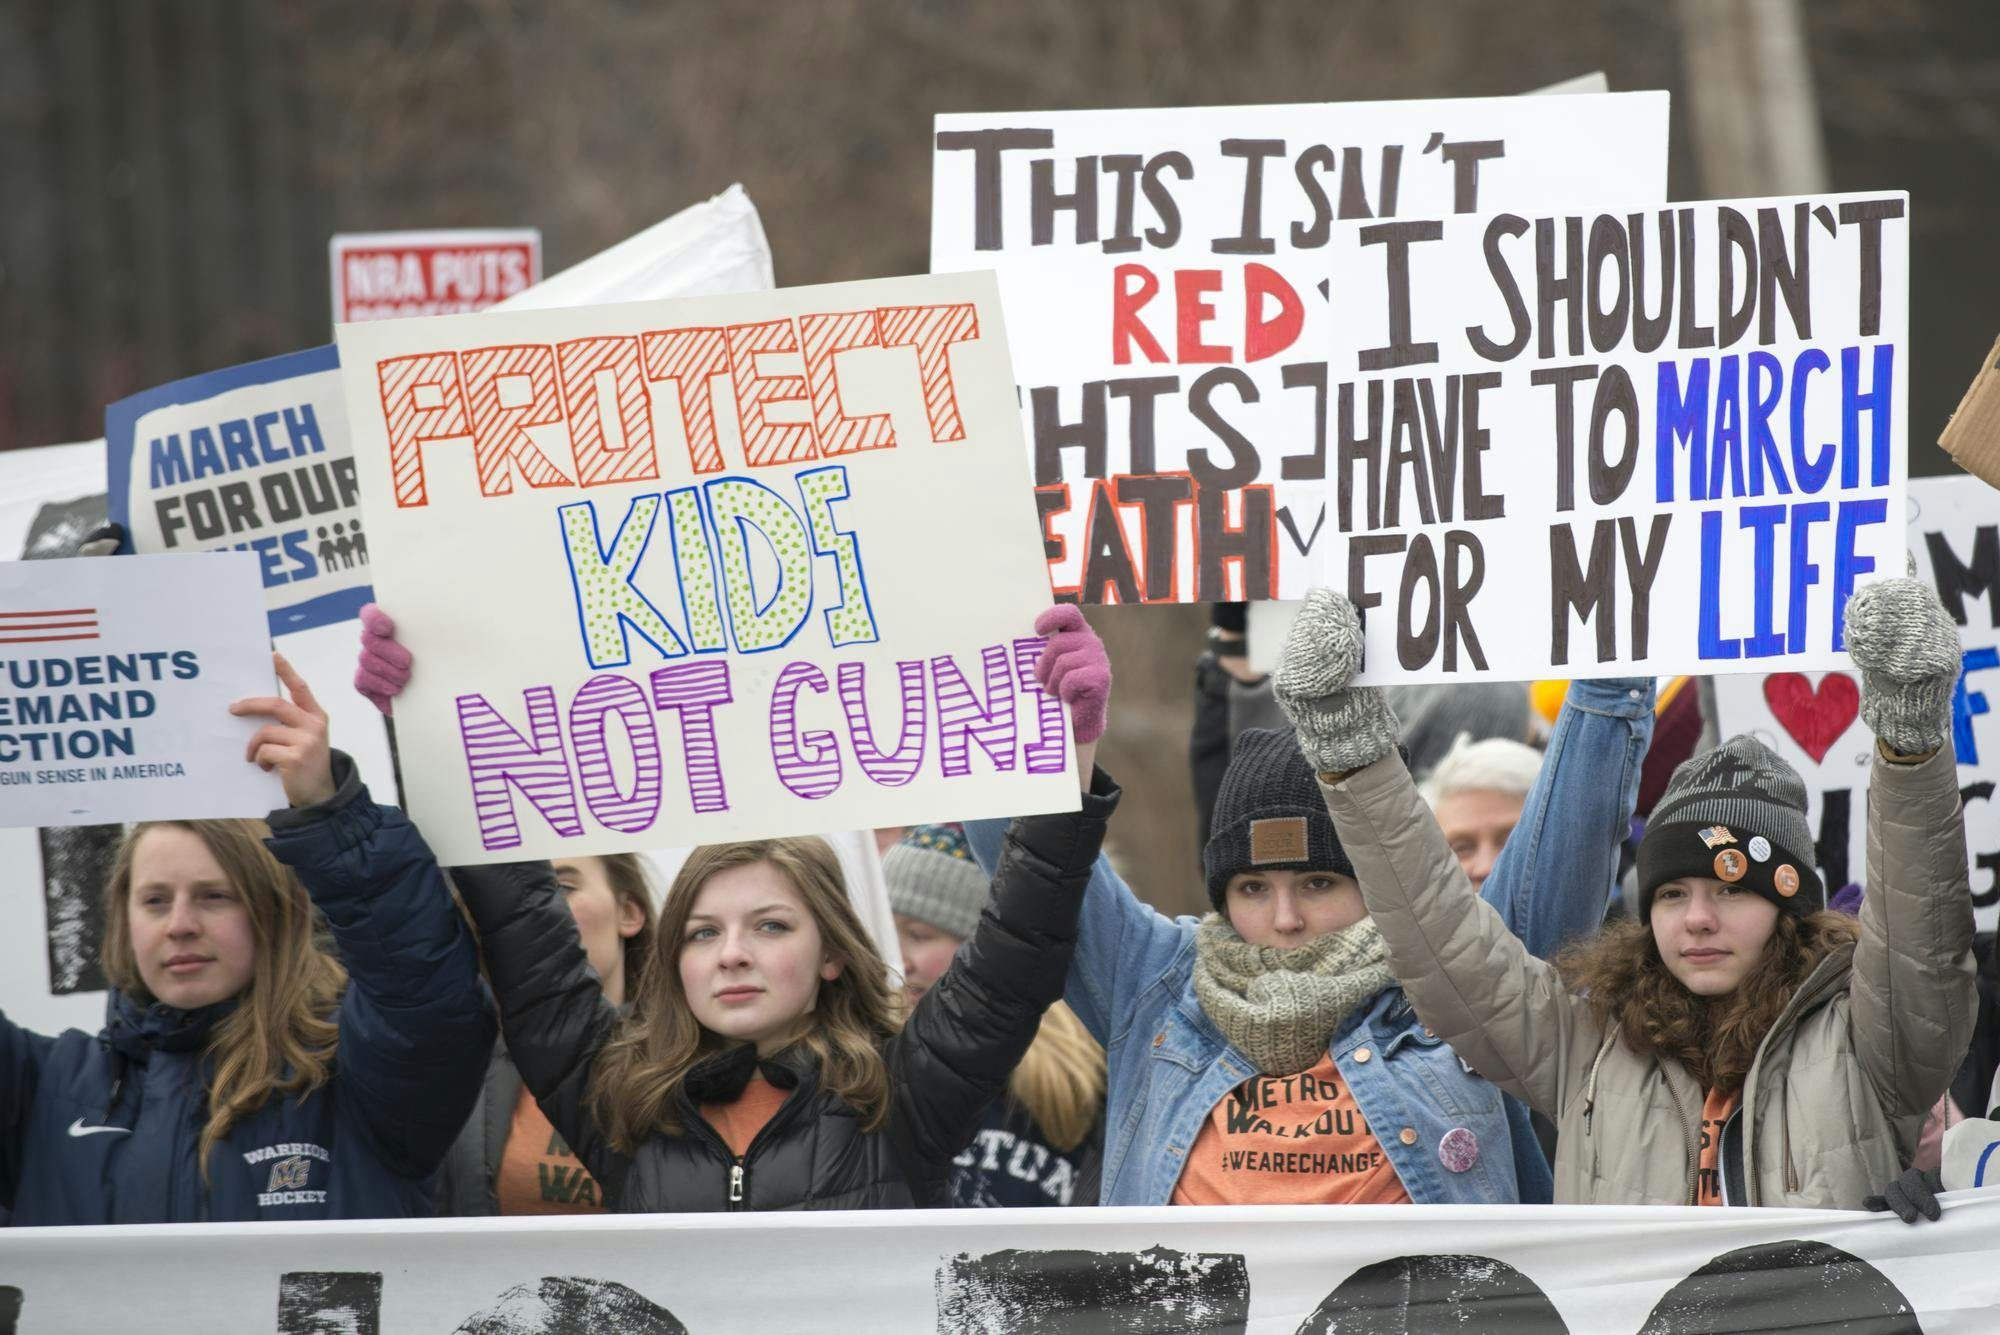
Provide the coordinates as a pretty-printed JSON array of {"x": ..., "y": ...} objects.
[{"x": 1912, "y": 1194}]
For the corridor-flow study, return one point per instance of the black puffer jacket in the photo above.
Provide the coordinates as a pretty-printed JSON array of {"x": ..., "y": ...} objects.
[{"x": 949, "y": 1062}]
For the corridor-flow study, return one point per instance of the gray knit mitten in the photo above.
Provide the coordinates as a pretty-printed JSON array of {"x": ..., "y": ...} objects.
[
  {"x": 1340, "y": 727},
  {"x": 1906, "y": 646}
]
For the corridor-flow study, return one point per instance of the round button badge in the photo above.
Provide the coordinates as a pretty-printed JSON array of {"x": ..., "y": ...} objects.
[
  {"x": 1730, "y": 865},
  {"x": 1459, "y": 1149},
  {"x": 1760, "y": 848},
  {"x": 1786, "y": 880}
]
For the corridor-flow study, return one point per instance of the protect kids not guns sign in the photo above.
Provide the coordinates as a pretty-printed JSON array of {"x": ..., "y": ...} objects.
[
  {"x": 1166, "y": 290},
  {"x": 721, "y": 568},
  {"x": 1663, "y": 440}
]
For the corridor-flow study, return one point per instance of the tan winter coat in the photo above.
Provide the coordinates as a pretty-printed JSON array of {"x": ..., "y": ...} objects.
[{"x": 1837, "y": 1095}]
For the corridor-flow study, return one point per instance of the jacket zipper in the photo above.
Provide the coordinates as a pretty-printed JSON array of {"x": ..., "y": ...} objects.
[
  {"x": 738, "y": 1193},
  {"x": 1688, "y": 1139}
]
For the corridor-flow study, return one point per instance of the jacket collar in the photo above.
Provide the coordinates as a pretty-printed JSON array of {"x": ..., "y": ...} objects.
[
  {"x": 137, "y": 1030},
  {"x": 721, "y": 1076}
]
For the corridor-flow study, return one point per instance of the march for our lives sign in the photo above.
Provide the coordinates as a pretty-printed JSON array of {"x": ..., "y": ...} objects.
[
  {"x": 256, "y": 459},
  {"x": 116, "y": 679}
]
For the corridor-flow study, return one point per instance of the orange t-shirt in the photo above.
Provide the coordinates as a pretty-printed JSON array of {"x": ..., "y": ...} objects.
[
  {"x": 738, "y": 1123},
  {"x": 538, "y": 1174},
  {"x": 1289, "y": 1140},
  {"x": 1716, "y": 1110}
]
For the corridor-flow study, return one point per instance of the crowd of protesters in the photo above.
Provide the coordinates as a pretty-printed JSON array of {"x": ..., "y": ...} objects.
[{"x": 1457, "y": 952}]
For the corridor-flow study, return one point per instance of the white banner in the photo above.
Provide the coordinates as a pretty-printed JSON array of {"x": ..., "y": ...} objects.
[
  {"x": 1813, "y": 719},
  {"x": 1660, "y": 441},
  {"x": 116, "y": 677},
  {"x": 1165, "y": 289},
  {"x": 1384, "y": 1270},
  {"x": 722, "y": 568}
]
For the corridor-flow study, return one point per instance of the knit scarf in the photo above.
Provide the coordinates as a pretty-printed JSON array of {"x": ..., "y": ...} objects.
[{"x": 1280, "y": 1007}]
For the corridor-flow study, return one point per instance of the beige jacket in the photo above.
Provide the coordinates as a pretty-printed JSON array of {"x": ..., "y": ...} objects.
[{"x": 1835, "y": 1100}]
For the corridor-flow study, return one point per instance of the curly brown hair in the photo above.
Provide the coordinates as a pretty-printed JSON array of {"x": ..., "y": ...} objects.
[{"x": 1631, "y": 991}]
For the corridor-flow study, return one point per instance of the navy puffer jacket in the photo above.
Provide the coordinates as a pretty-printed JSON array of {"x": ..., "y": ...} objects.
[{"x": 102, "y": 1129}]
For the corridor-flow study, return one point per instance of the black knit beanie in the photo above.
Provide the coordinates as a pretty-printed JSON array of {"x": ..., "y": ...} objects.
[
  {"x": 1269, "y": 815},
  {"x": 1736, "y": 814}
]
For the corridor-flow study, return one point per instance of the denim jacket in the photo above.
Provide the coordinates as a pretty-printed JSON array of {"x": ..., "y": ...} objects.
[{"x": 1132, "y": 984}]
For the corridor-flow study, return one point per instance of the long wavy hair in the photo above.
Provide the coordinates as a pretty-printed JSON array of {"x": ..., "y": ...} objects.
[
  {"x": 281, "y": 1037},
  {"x": 1061, "y": 1082},
  {"x": 1631, "y": 991},
  {"x": 641, "y": 1068}
]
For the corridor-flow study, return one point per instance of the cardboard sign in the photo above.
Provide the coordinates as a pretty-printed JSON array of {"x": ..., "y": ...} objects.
[
  {"x": 116, "y": 677},
  {"x": 397, "y": 275},
  {"x": 254, "y": 458},
  {"x": 682, "y": 572},
  {"x": 1165, "y": 287},
  {"x": 1485, "y": 1270},
  {"x": 1597, "y": 444},
  {"x": 1813, "y": 720}
]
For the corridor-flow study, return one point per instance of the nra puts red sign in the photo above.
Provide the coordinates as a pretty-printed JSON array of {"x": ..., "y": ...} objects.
[{"x": 392, "y": 275}]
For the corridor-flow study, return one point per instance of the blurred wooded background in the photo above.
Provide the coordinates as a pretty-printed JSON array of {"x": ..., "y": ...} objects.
[{"x": 170, "y": 172}]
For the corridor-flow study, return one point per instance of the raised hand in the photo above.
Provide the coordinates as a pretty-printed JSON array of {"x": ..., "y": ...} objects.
[
  {"x": 384, "y": 667},
  {"x": 294, "y": 743},
  {"x": 1075, "y": 669},
  {"x": 1341, "y": 727},
  {"x": 1906, "y": 646}
]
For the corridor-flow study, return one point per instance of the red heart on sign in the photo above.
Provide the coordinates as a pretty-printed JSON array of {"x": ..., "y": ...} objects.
[{"x": 1815, "y": 719}]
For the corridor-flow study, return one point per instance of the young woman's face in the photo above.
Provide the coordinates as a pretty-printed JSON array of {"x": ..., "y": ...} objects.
[
  {"x": 927, "y": 954},
  {"x": 751, "y": 957},
  {"x": 191, "y": 933},
  {"x": 603, "y": 919},
  {"x": 1476, "y": 823},
  {"x": 1711, "y": 934},
  {"x": 1287, "y": 909}
]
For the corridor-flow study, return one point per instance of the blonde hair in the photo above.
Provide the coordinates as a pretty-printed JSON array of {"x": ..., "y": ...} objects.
[
  {"x": 642, "y": 1067},
  {"x": 281, "y": 1037},
  {"x": 1061, "y": 1082}
]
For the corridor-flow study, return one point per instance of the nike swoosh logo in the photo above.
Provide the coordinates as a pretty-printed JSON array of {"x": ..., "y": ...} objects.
[{"x": 77, "y": 1128}]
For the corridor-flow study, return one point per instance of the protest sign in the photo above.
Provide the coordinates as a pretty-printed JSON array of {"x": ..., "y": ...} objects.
[
  {"x": 52, "y": 880},
  {"x": 1593, "y": 444},
  {"x": 682, "y": 572},
  {"x": 254, "y": 458},
  {"x": 1168, "y": 309},
  {"x": 397, "y": 275},
  {"x": 118, "y": 677},
  {"x": 1495, "y": 1270},
  {"x": 1813, "y": 720}
]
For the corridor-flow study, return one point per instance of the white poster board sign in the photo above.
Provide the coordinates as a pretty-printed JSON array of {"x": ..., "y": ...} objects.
[
  {"x": 1650, "y": 441},
  {"x": 729, "y": 567},
  {"x": 1813, "y": 719},
  {"x": 1164, "y": 278},
  {"x": 119, "y": 674},
  {"x": 712, "y": 247},
  {"x": 1493, "y": 1270}
]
